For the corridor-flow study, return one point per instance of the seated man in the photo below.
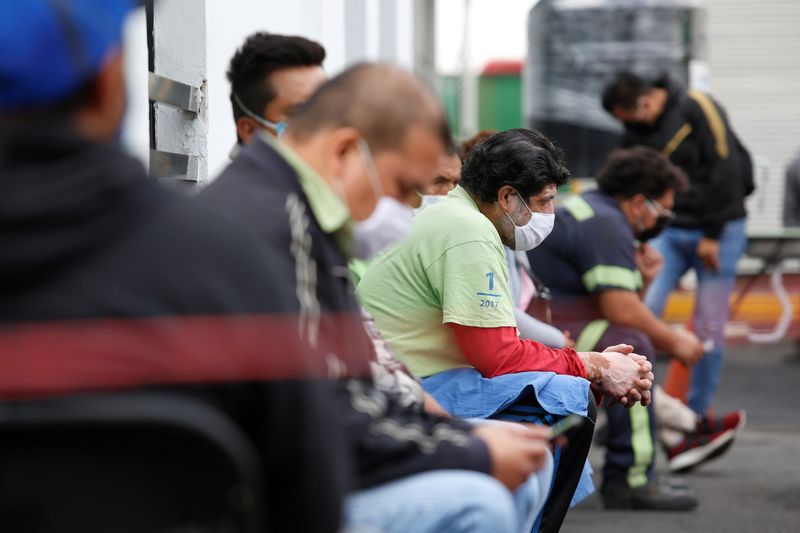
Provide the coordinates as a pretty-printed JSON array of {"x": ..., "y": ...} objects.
[
  {"x": 441, "y": 297},
  {"x": 592, "y": 265}
]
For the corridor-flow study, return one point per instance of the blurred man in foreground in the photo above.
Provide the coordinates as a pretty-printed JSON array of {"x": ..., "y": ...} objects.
[{"x": 110, "y": 283}]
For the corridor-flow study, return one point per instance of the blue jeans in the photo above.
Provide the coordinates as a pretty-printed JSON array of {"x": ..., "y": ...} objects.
[
  {"x": 448, "y": 501},
  {"x": 679, "y": 248}
]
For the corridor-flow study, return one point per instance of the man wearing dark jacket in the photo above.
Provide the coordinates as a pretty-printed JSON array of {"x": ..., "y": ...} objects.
[
  {"x": 708, "y": 232},
  {"x": 373, "y": 130},
  {"x": 110, "y": 283}
]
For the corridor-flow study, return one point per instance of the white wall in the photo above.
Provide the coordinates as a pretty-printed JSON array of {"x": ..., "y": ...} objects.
[
  {"x": 754, "y": 62},
  {"x": 229, "y": 22},
  {"x": 136, "y": 128}
]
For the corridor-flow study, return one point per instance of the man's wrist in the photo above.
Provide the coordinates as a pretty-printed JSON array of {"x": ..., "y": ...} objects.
[{"x": 594, "y": 363}]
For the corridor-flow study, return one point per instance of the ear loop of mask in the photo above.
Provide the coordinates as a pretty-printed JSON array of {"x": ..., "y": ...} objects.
[
  {"x": 652, "y": 208},
  {"x": 369, "y": 163},
  {"x": 277, "y": 127},
  {"x": 519, "y": 196},
  {"x": 372, "y": 172}
]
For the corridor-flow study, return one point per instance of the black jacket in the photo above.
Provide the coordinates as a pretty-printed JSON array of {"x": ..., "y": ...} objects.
[
  {"x": 161, "y": 293},
  {"x": 718, "y": 166},
  {"x": 260, "y": 191}
]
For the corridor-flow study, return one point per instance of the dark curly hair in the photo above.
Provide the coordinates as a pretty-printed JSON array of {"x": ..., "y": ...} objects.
[
  {"x": 261, "y": 55},
  {"x": 640, "y": 170},
  {"x": 522, "y": 158}
]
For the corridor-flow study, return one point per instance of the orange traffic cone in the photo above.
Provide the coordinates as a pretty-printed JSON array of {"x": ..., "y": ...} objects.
[
  {"x": 679, "y": 376},
  {"x": 677, "y": 381}
]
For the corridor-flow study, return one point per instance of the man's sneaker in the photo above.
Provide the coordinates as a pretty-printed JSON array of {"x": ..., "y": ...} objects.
[
  {"x": 734, "y": 420},
  {"x": 698, "y": 448},
  {"x": 651, "y": 497}
]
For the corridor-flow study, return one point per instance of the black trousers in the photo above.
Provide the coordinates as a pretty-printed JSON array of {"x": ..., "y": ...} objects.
[{"x": 571, "y": 458}]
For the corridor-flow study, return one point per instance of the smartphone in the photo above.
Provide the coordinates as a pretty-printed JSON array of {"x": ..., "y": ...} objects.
[{"x": 565, "y": 424}]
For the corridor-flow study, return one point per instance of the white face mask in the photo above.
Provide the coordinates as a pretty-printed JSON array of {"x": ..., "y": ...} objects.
[
  {"x": 532, "y": 234},
  {"x": 428, "y": 200}
]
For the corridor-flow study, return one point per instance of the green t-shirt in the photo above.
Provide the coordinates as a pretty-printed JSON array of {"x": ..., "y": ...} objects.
[{"x": 450, "y": 269}]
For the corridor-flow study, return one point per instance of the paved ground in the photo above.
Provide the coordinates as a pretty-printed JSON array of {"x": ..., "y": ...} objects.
[{"x": 756, "y": 486}]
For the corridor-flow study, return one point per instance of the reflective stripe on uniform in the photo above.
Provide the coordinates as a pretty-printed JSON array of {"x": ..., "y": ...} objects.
[
  {"x": 642, "y": 443},
  {"x": 590, "y": 335},
  {"x": 578, "y": 208},
  {"x": 615, "y": 276}
]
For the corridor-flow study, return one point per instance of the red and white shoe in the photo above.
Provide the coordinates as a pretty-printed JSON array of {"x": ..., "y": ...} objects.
[
  {"x": 734, "y": 420},
  {"x": 698, "y": 448}
]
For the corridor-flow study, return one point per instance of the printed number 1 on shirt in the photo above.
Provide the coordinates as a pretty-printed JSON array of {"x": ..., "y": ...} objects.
[{"x": 488, "y": 302}]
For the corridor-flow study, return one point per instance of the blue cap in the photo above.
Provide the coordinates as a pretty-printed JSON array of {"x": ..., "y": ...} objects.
[{"x": 50, "y": 48}]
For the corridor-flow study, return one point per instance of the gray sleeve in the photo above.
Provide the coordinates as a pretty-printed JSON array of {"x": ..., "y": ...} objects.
[{"x": 530, "y": 328}]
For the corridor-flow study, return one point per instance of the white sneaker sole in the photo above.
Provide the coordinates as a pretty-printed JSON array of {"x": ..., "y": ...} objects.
[
  {"x": 742, "y": 422},
  {"x": 695, "y": 456}
]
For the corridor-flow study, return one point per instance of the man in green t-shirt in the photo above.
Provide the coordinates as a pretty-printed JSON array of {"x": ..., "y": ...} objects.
[{"x": 441, "y": 297}]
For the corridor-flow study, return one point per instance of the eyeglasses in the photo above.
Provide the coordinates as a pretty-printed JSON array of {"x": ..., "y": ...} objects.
[{"x": 659, "y": 209}]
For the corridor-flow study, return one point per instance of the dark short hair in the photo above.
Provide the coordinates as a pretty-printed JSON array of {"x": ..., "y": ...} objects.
[
  {"x": 522, "y": 158},
  {"x": 640, "y": 170},
  {"x": 624, "y": 91},
  {"x": 381, "y": 101},
  {"x": 261, "y": 55}
]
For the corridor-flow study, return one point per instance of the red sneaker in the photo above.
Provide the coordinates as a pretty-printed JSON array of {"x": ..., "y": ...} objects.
[
  {"x": 734, "y": 420},
  {"x": 698, "y": 448}
]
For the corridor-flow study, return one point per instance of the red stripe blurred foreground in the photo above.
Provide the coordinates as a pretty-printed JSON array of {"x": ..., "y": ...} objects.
[{"x": 47, "y": 358}]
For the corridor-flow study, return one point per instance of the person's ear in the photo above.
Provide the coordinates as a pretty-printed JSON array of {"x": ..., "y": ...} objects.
[
  {"x": 101, "y": 116},
  {"x": 639, "y": 203},
  {"x": 343, "y": 152},
  {"x": 505, "y": 198},
  {"x": 245, "y": 129}
]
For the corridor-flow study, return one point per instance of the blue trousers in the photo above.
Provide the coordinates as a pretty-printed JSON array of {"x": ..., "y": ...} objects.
[
  {"x": 448, "y": 501},
  {"x": 679, "y": 248}
]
